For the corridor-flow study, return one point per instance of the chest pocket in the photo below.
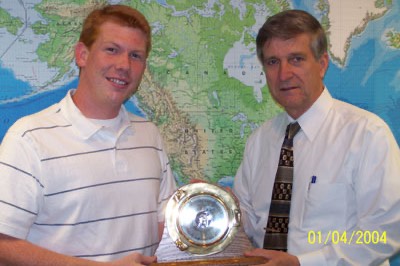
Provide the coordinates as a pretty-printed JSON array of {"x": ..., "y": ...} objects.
[{"x": 325, "y": 207}]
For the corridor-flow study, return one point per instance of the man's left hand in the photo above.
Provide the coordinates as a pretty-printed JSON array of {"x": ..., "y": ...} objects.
[{"x": 274, "y": 257}]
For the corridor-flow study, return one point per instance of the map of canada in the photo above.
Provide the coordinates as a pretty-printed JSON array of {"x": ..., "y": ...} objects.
[{"x": 203, "y": 87}]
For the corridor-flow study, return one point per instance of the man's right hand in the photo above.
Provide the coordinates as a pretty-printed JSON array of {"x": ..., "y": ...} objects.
[
  {"x": 134, "y": 259},
  {"x": 18, "y": 252}
]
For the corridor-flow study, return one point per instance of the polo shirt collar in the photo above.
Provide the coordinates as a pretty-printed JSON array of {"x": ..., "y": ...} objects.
[{"x": 81, "y": 125}]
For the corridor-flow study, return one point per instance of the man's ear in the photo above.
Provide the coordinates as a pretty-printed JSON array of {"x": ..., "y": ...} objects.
[
  {"x": 324, "y": 63},
  {"x": 81, "y": 54}
]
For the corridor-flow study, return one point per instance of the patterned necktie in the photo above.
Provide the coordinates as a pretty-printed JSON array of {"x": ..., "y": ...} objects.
[{"x": 278, "y": 219}]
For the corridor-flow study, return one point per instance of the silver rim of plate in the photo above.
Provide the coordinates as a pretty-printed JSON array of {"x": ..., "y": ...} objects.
[{"x": 202, "y": 218}]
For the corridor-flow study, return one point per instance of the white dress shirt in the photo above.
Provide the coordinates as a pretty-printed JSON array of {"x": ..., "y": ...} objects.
[{"x": 356, "y": 162}]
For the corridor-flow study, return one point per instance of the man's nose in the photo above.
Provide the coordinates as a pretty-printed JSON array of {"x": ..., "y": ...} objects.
[
  {"x": 285, "y": 71},
  {"x": 123, "y": 62}
]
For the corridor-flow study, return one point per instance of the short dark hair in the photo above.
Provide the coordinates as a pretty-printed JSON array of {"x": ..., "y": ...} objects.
[
  {"x": 286, "y": 25},
  {"x": 120, "y": 14}
]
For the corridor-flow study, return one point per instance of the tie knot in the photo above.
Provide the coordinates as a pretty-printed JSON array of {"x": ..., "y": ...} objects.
[{"x": 292, "y": 130}]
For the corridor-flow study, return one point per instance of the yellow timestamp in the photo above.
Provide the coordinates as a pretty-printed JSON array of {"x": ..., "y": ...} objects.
[{"x": 335, "y": 237}]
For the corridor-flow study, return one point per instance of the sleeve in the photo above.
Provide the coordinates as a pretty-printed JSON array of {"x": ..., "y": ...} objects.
[
  {"x": 167, "y": 184},
  {"x": 242, "y": 190},
  {"x": 376, "y": 235},
  {"x": 21, "y": 189}
]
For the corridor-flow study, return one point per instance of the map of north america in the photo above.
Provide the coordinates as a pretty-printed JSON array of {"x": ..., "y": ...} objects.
[{"x": 204, "y": 86}]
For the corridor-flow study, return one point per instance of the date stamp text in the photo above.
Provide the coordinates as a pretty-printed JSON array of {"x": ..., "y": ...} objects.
[{"x": 335, "y": 237}]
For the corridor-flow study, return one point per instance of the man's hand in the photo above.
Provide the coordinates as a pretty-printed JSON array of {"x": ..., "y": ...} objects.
[
  {"x": 134, "y": 259},
  {"x": 274, "y": 257}
]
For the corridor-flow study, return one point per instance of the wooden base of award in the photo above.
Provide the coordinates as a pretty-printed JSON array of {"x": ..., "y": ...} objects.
[{"x": 237, "y": 261}]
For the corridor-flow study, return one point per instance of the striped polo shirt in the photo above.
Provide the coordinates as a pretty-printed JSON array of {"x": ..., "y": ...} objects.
[{"x": 76, "y": 187}]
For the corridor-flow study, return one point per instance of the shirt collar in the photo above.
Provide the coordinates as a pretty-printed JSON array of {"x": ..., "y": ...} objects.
[
  {"x": 82, "y": 126},
  {"x": 311, "y": 121}
]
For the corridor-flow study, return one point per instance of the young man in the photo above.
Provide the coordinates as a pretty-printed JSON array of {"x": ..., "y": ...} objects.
[
  {"x": 346, "y": 168},
  {"x": 84, "y": 182}
]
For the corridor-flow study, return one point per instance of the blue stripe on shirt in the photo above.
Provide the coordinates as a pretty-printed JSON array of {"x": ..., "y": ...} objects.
[
  {"x": 97, "y": 151},
  {"x": 102, "y": 184},
  {"x": 116, "y": 252},
  {"x": 20, "y": 208},
  {"x": 22, "y": 171},
  {"x": 97, "y": 220}
]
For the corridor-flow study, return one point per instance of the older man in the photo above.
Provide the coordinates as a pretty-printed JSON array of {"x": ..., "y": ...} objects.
[{"x": 328, "y": 195}]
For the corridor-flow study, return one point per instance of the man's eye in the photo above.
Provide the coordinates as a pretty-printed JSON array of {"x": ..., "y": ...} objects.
[
  {"x": 137, "y": 56},
  {"x": 271, "y": 62},
  {"x": 297, "y": 59},
  {"x": 111, "y": 49}
]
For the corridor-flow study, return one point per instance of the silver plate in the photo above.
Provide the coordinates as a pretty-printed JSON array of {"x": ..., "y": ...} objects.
[{"x": 202, "y": 218}]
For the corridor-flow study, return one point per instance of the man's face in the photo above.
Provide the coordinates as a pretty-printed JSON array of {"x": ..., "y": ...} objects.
[
  {"x": 111, "y": 70},
  {"x": 294, "y": 76}
]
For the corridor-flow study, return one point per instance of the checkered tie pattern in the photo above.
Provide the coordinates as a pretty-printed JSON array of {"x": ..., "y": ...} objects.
[{"x": 277, "y": 228}]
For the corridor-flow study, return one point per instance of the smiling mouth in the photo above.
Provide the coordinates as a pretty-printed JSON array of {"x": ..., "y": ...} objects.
[{"x": 118, "y": 81}]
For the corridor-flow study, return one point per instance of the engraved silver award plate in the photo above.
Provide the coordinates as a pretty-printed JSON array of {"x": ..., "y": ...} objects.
[{"x": 202, "y": 218}]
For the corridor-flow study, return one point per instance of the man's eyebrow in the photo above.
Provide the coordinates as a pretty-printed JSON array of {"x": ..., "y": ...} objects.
[
  {"x": 293, "y": 54},
  {"x": 270, "y": 57},
  {"x": 120, "y": 46},
  {"x": 105, "y": 43},
  {"x": 298, "y": 54}
]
